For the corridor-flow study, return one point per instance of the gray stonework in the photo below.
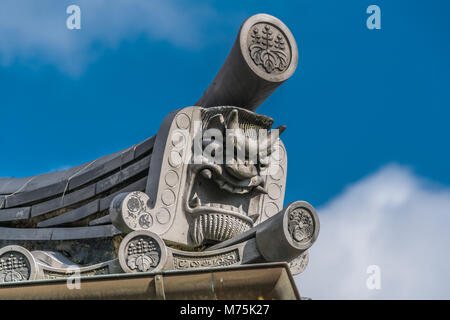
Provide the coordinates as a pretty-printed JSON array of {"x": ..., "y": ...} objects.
[{"x": 158, "y": 205}]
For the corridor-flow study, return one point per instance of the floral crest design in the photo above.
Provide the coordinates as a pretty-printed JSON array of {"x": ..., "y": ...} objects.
[
  {"x": 267, "y": 52},
  {"x": 301, "y": 225},
  {"x": 143, "y": 255}
]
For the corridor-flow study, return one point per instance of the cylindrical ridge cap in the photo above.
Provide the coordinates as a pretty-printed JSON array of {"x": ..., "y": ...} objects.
[
  {"x": 268, "y": 47},
  {"x": 263, "y": 56}
]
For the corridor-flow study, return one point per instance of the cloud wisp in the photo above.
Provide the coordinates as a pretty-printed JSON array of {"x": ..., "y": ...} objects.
[
  {"x": 391, "y": 219},
  {"x": 36, "y": 32}
]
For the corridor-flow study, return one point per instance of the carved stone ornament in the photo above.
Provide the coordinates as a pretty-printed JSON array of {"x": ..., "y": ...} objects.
[
  {"x": 135, "y": 215},
  {"x": 206, "y": 191},
  {"x": 269, "y": 48},
  {"x": 16, "y": 264},
  {"x": 299, "y": 264},
  {"x": 301, "y": 225},
  {"x": 142, "y": 251},
  {"x": 223, "y": 259},
  {"x": 196, "y": 196}
]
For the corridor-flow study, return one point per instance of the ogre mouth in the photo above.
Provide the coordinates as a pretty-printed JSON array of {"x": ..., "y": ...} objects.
[
  {"x": 217, "y": 213},
  {"x": 230, "y": 183},
  {"x": 216, "y": 227},
  {"x": 197, "y": 208},
  {"x": 213, "y": 190}
]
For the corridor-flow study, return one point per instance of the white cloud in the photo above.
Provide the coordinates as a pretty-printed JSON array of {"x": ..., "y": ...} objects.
[
  {"x": 392, "y": 219},
  {"x": 35, "y": 31}
]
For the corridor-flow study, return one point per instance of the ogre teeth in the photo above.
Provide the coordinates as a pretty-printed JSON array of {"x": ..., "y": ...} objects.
[
  {"x": 241, "y": 209},
  {"x": 195, "y": 201},
  {"x": 254, "y": 217},
  {"x": 260, "y": 190},
  {"x": 206, "y": 173}
]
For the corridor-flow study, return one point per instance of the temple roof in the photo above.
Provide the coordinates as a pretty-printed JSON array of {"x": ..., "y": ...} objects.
[{"x": 77, "y": 198}]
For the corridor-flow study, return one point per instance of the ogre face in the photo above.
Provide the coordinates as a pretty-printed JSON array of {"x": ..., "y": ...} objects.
[
  {"x": 214, "y": 173},
  {"x": 228, "y": 177}
]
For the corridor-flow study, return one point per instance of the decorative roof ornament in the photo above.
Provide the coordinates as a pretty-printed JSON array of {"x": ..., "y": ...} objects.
[{"x": 206, "y": 192}]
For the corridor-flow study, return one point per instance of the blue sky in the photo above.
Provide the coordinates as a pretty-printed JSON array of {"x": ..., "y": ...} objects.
[{"x": 361, "y": 102}]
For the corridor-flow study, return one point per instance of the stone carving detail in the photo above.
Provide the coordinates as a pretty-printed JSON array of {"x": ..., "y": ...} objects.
[
  {"x": 183, "y": 121},
  {"x": 223, "y": 193},
  {"x": 183, "y": 262},
  {"x": 271, "y": 209},
  {"x": 16, "y": 264},
  {"x": 132, "y": 211},
  {"x": 47, "y": 274},
  {"x": 298, "y": 265},
  {"x": 301, "y": 225},
  {"x": 14, "y": 267},
  {"x": 138, "y": 211},
  {"x": 268, "y": 48},
  {"x": 212, "y": 213},
  {"x": 218, "y": 227},
  {"x": 141, "y": 251},
  {"x": 143, "y": 254}
]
